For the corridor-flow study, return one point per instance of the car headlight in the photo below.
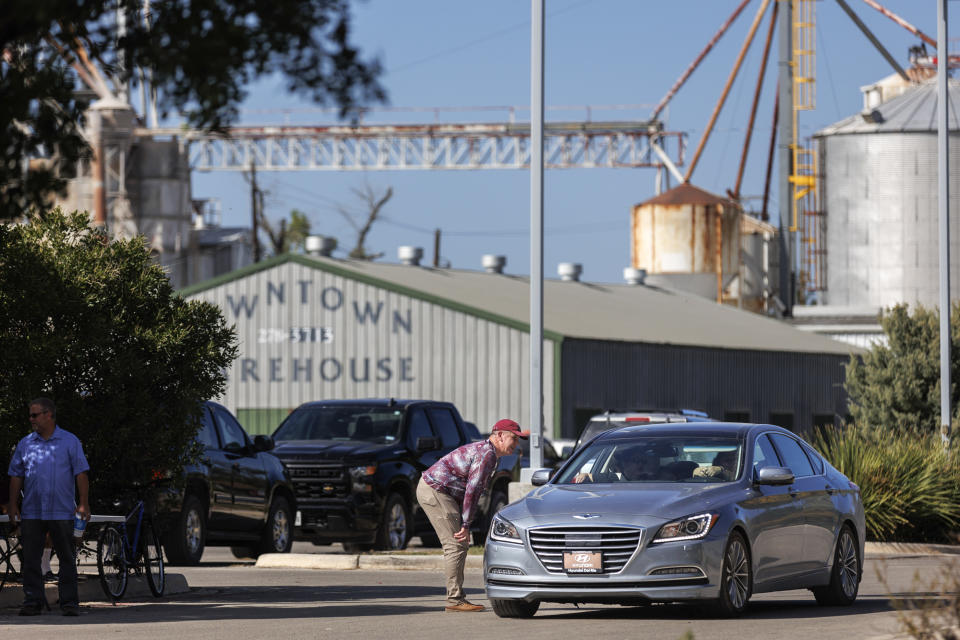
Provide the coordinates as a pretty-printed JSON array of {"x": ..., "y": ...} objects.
[
  {"x": 363, "y": 477},
  {"x": 502, "y": 530},
  {"x": 691, "y": 528}
]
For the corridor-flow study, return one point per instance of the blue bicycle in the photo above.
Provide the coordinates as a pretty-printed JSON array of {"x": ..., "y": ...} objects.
[{"x": 118, "y": 555}]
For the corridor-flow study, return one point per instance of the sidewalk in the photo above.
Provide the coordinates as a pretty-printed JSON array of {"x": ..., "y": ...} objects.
[
  {"x": 90, "y": 590},
  {"x": 434, "y": 562}
]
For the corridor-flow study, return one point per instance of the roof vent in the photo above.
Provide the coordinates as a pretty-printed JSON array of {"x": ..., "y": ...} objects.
[
  {"x": 570, "y": 271},
  {"x": 872, "y": 116},
  {"x": 320, "y": 245},
  {"x": 410, "y": 255},
  {"x": 633, "y": 275},
  {"x": 493, "y": 264}
]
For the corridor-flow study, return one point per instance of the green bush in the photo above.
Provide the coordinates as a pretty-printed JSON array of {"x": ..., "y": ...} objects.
[
  {"x": 910, "y": 485},
  {"x": 95, "y": 325}
]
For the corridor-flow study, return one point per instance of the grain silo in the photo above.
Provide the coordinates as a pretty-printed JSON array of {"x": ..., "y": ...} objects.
[{"x": 880, "y": 202}]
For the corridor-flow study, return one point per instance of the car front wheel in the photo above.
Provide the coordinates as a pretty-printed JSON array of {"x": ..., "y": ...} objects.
[
  {"x": 514, "y": 608},
  {"x": 394, "y": 531},
  {"x": 277, "y": 535},
  {"x": 735, "y": 577}
]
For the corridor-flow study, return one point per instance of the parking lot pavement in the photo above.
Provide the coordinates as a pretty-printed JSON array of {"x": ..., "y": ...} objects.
[{"x": 233, "y": 599}]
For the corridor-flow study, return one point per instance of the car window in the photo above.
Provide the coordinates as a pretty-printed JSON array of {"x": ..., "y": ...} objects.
[
  {"x": 764, "y": 455},
  {"x": 550, "y": 456},
  {"x": 231, "y": 433},
  {"x": 419, "y": 427},
  {"x": 691, "y": 459},
  {"x": 445, "y": 424},
  {"x": 207, "y": 435},
  {"x": 815, "y": 458},
  {"x": 793, "y": 456}
]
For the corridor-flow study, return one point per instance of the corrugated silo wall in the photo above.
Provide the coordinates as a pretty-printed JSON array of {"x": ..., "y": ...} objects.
[
  {"x": 882, "y": 219},
  {"x": 307, "y": 334},
  {"x": 607, "y": 375}
]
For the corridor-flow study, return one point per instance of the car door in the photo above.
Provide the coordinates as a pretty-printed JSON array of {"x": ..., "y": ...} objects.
[
  {"x": 814, "y": 501},
  {"x": 247, "y": 474},
  {"x": 775, "y": 519},
  {"x": 218, "y": 470}
]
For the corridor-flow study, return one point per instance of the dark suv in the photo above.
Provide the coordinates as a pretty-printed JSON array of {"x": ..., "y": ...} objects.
[
  {"x": 355, "y": 465},
  {"x": 238, "y": 495}
]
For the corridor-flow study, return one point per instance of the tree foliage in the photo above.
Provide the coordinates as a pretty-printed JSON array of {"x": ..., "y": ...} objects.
[
  {"x": 898, "y": 385},
  {"x": 96, "y": 326},
  {"x": 288, "y": 235},
  {"x": 199, "y": 55}
]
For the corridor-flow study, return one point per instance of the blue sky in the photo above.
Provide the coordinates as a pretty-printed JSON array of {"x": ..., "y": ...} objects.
[{"x": 442, "y": 53}]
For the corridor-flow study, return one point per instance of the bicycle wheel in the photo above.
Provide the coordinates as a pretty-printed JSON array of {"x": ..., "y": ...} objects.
[
  {"x": 111, "y": 564},
  {"x": 152, "y": 558}
]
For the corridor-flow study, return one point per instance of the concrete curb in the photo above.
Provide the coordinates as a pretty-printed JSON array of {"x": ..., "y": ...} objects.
[
  {"x": 329, "y": 561},
  {"x": 909, "y": 549},
  {"x": 90, "y": 590}
]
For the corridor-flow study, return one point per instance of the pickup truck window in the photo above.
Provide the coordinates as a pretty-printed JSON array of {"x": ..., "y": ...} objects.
[
  {"x": 231, "y": 433},
  {"x": 375, "y": 424},
  {"x": 207, "y": 436},
  {"x": 444, "y": 422},
  {"x": 419, "y": 428}
]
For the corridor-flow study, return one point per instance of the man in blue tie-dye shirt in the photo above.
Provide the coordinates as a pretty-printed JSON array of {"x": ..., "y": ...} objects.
[{"x": 449, "y": 491}]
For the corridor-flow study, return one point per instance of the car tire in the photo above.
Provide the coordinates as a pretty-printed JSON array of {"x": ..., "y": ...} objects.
[
  {"x": 498, "y": 500},
  {"x": 277, "y": 536},
  {"x": 845, "y": 575},
  {"x": 243, "y": 553},
  {"x": 430, "y": 540},
  {"x": 185, "y": 543},
  {"x": 357, "y": 547},
  {"x": 736, "y": 577},
  {"x": 514, "y": 608},
  {"x": 393, "y": 534}
]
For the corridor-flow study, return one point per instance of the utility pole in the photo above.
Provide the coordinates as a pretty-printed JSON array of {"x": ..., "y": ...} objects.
[
  {"x": 943, "y": 196},
  {"x": 785, "y": 152},
  {"x": 436, "y": 248},
  {"x": 255, "y": 200}
]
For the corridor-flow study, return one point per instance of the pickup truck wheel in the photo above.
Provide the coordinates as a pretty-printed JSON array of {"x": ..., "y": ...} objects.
[
  {"x": 242, "y": 553},
  {"x": 277, "y": 535},
  {"x": 185, "y": 542},
  {"x": 394, "y": 530}
]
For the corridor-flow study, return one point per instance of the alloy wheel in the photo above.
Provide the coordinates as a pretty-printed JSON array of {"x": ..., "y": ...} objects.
[
  {"x": 737, "y": 574},
  {"x": 849, "y": 565}
]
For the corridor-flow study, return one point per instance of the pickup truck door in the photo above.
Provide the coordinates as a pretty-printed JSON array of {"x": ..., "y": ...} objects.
[
  {"x": 248, "y": 477},
  {"x": 218, "y": 472}
]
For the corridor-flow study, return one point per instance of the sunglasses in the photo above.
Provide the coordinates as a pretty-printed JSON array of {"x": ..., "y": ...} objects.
[{"x": 34, "y": 415}]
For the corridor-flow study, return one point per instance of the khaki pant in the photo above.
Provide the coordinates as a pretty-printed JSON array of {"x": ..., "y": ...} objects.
[{"x": 443, "y": 512}]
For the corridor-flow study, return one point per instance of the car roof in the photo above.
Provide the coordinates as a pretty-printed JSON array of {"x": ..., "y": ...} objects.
[
  {"x": 664, "y": 414},
  {"x": 701, "y": 429},
  {"x": 370, "y": 402}
]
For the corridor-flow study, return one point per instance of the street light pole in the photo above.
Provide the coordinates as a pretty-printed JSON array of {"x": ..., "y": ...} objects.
[{"x": 943, "y": 195}]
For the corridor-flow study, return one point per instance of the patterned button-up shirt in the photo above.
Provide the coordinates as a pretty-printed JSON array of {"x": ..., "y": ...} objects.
[{"x": 464, "y": 474}]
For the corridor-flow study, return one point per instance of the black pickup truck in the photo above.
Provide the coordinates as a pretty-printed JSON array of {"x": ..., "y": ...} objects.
[{"x": 355, "y": 465}]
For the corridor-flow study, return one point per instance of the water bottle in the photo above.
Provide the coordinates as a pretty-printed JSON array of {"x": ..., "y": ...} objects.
[{"x": 79, "y": 524}]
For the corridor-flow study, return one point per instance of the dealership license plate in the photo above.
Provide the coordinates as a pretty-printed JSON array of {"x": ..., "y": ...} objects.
[
  {"x": 582, "y": 562},
  {"x": 298, "y": 519}
]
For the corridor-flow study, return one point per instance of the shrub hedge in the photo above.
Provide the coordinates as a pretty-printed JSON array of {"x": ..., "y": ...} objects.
[{"x": 910, "y": 485}]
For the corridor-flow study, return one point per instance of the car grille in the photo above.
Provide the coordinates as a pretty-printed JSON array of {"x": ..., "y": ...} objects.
[
  {"x": 617, "y": 545},
  {"x": 312, "y": 482}
]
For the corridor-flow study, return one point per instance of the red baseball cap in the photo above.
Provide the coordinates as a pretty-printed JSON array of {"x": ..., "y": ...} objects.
[{"x": 509, "y": 425}]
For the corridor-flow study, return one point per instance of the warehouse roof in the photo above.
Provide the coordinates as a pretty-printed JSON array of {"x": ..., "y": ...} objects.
[
  {"x": 620, "y": 312},
  {"x": 913, "y": 111}
]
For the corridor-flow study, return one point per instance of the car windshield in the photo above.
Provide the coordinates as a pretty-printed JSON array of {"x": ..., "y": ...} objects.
[
  {"x": 692, "y": 459},
  {"x": 362, "y": 424}
]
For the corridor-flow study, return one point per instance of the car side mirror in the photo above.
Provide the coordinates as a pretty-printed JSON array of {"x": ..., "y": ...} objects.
[
  {"x": 263, "y": 443},
  {"x": 540, "y": 477},
  {"x": 426, "y": 443},
  {"x": 774, "y": 476}
]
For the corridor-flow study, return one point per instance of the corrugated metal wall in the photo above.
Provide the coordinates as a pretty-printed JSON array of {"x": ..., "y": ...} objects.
[
  {"x": 882, "y": 220},
  {"x": 719, "y": 381},
  {"x": 306, "y": 334}
]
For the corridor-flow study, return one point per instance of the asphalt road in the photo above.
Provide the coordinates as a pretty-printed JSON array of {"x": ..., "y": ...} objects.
[{"x": 233, "y": 599}]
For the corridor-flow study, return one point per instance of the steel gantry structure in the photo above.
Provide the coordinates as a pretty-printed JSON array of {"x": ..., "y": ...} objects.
[{"x": 626, "y": 144}]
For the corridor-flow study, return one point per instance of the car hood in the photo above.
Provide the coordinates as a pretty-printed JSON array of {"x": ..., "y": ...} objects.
[
  {"x": 645, "y": 505},
  {"x": 332, "y": 450}
]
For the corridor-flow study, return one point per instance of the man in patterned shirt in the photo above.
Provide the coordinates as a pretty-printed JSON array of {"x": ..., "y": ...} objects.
[{"x": 449, "y": 491}]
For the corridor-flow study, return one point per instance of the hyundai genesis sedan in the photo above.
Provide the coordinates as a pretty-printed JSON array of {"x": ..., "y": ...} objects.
[{"x": 706, "y": 512}]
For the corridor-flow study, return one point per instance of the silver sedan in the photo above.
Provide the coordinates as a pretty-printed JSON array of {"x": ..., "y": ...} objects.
[{"x": 709, "y": 512}]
